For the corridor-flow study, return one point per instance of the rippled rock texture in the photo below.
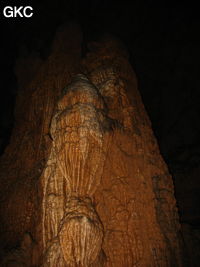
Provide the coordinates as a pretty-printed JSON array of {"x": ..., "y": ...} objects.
[{"x": 82, "y": 181}]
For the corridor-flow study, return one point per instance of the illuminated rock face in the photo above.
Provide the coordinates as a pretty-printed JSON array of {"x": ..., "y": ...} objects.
[
  {"x": 80, "y": 131},
  {"x": 103, "y": 195}
]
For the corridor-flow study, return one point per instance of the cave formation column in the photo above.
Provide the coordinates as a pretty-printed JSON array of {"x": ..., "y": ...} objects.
[{"x": 83, "y": 183}]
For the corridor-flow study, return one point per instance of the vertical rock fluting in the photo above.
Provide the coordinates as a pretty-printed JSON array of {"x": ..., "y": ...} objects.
[
  {"x": 80, "y": 131},
  {"x": 82, "y": 182}
]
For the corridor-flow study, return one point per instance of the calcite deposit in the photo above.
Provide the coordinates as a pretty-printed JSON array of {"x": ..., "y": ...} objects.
[{"x": 83, "y": 183}]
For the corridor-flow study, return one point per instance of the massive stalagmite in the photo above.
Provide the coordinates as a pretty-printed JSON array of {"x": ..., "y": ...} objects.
[{"x": 82, "y": 181}]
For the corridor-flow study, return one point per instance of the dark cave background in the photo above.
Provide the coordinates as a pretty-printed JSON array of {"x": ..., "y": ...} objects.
[{"x": 163, "y": 43}]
